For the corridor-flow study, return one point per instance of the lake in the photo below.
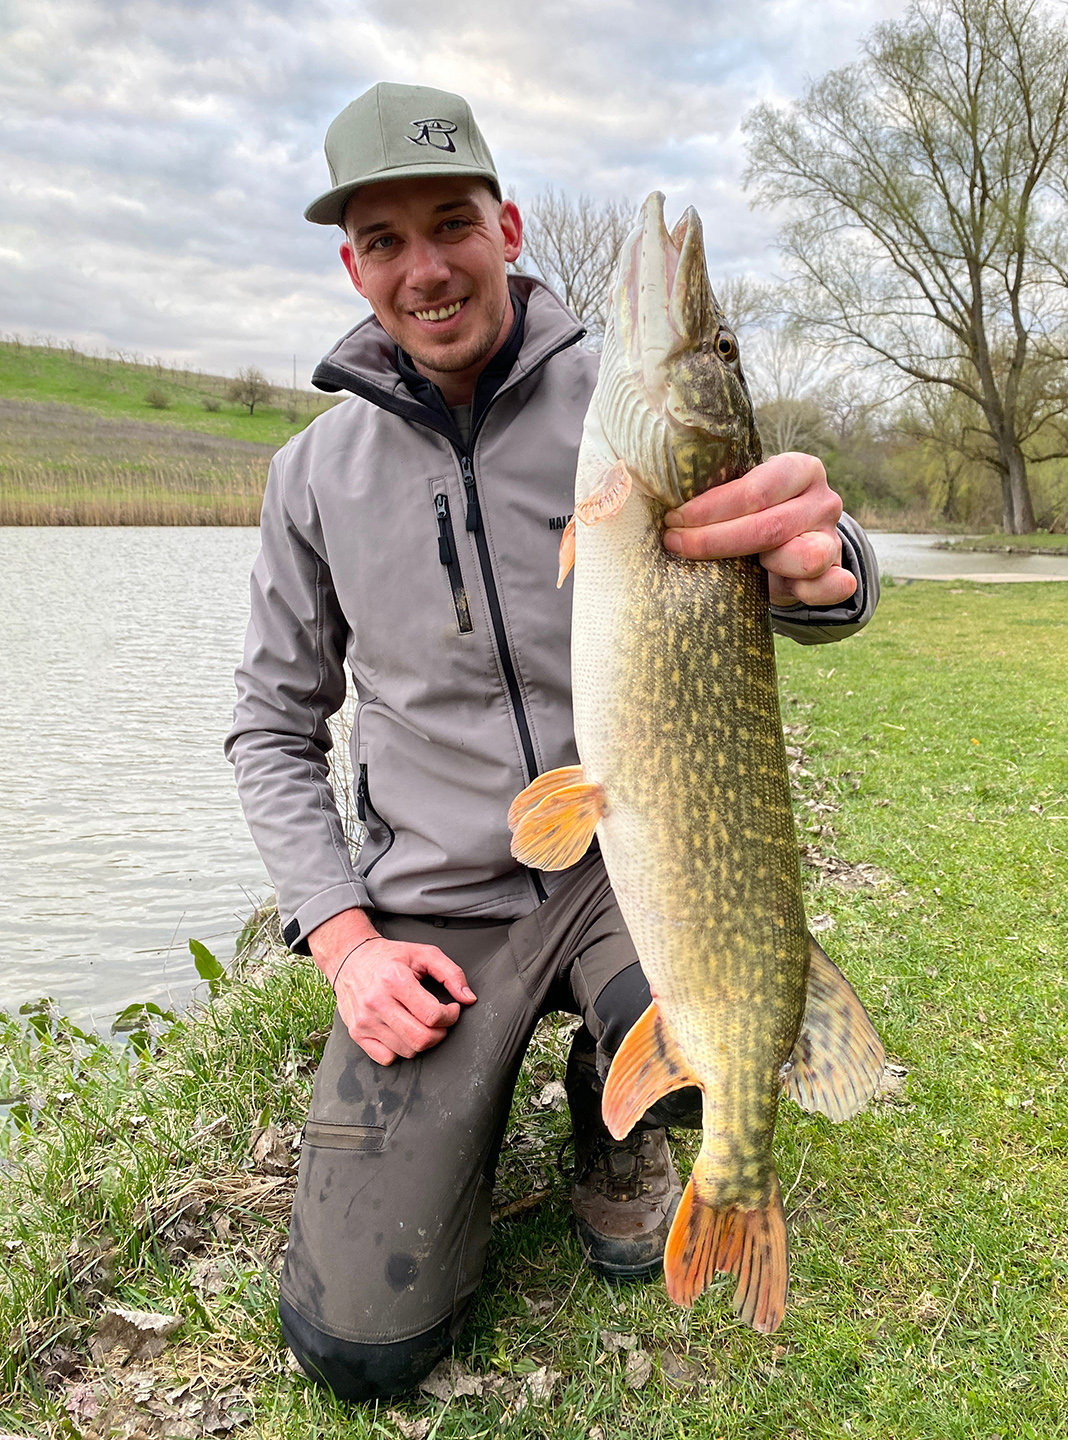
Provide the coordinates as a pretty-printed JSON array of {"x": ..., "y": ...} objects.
[{"x": 122, "y": 836}]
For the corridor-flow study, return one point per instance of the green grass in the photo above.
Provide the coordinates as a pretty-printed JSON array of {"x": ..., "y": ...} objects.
[
  {"x": 1040, "y": 543},
  {"x": 930, "y": 1262},
  {"x": 117, "y": 390}
]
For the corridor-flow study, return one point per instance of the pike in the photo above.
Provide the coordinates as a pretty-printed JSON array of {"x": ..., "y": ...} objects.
[{"x": 683, "y": 778}]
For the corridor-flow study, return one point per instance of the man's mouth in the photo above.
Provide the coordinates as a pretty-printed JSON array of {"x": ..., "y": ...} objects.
[{"x": 442, "y": 312}]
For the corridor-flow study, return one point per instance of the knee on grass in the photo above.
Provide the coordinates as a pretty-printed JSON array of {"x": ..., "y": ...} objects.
[{"x": 355, "y": 1371}]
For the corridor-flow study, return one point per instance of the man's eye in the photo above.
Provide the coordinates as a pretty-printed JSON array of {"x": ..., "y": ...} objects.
[
  {"x": 381, "y": 242},
  {"x": 457, "y": 223}
]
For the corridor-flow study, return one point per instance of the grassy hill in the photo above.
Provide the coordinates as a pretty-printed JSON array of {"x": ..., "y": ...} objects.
[
  {"x": 90, "y": 440},
  {"x": 120, "y": 389}
]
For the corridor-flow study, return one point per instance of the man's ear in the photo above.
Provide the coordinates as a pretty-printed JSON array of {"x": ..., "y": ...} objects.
[
  {"x": 512, "y": 229},
  {"x": 348, "y": 259}
]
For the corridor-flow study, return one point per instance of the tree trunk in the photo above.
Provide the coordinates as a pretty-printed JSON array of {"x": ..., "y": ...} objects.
[{"x": 1017, "y": 512}]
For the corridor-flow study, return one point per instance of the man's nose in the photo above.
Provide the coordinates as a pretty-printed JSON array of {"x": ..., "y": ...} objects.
[{"x": 426, "y": 265}]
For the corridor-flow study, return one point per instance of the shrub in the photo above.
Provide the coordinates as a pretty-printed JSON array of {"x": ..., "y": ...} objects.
[
  {"x": 157, "y": 398},
  {"x": 212, "y": 403}
]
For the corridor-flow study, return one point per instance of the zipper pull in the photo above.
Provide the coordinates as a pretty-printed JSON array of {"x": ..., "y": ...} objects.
[
  {"x": 474, "y": 514},
  {"x": 441, "y": 510}
]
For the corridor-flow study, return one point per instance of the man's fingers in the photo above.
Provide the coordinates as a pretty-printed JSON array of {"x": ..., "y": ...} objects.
[
  {"x": 806, "y": 557},
  {"x": 775, "y": 481},
  {"x": 419, "y": 1002},
  {"x": 748, "y": 535},
  {"x": 379, "y": 1053},
  {"x": 442, "y": 969},
  {"x": 832, "y": 588}
]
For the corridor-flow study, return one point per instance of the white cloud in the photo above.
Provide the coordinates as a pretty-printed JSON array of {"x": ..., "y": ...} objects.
[{"x": 158, "y": 155}]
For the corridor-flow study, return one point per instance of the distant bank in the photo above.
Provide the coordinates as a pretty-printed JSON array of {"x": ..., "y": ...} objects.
[{"x": 90, "y": 440}]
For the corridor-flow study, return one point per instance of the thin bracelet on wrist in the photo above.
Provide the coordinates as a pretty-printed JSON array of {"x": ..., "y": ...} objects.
[{"x": 341, "y": 967}]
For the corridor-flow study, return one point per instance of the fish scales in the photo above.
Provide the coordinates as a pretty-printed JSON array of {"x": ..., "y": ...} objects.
[
  {"x": 684, "y": 779},
  {"x": 709, "y": 884}
]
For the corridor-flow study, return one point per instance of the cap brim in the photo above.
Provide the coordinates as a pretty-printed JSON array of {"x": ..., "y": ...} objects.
[{"x": 329, "y": 209}]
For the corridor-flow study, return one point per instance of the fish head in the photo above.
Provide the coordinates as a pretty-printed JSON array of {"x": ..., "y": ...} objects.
[{"x": 670, "y": 344}]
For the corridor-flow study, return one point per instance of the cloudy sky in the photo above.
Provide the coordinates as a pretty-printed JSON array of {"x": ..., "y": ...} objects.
[{"x": 157, "y": 155}]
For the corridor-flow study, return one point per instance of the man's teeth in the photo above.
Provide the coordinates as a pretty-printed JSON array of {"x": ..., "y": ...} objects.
[{"x": 442, "y": 314}]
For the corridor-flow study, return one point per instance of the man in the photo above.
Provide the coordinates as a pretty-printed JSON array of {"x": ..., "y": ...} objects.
[{"x": 412, "y": 532}]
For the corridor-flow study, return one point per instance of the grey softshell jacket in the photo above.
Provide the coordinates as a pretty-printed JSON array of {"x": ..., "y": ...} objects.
[{"x": 433, "y": 575}]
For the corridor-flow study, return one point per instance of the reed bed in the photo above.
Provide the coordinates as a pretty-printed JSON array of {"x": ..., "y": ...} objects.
[{"x": 63, "y": 466}]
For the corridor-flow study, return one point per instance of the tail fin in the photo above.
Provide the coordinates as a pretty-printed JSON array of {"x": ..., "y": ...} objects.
[{"x": 750, "y": 1244}]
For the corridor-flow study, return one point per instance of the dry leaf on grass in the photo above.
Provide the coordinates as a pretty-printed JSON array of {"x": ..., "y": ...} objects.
[
  {"x": 409, "y": 1429},
  {"x": 450, "y": 1380},
  {"x": 82, "y": 1402},
  {"x": 552, "y": 1096},
  {"x": 638, "y": 1369},
  {"x": 613, "y": 1340},
  {"x": 141, "y": 1334},
  {"x": 685, "y": 1368},
  {"x": 270, "y": 1150}
]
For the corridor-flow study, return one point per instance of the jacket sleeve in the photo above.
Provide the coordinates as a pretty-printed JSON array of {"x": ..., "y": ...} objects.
[
  {"x": 291, "y": 679},
  {"x": 817, "y": 624}
]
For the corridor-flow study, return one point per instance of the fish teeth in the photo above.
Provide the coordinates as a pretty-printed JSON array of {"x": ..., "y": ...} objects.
[{"x": 442, "y": 314}]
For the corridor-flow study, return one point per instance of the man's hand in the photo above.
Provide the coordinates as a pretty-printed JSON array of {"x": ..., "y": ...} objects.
[
  {"x": 785, "y": 512},
  {"x": 385, "y": 1008}
]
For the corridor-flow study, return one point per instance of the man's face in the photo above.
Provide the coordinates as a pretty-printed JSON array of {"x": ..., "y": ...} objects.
[{"x": 429, "y": 256}]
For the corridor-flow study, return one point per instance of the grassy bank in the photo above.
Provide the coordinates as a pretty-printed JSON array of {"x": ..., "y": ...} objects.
[
  {"x": 123, "y": 390},
  {"x": 89, "y": 440},
  {"x": 930, "y": 1264},
  {"x": 60, "y": 465},
  {"x": 1041, "y": 543}
]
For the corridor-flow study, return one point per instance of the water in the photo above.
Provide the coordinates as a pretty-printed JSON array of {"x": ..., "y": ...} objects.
[
  {"x": 914, "y": 557},
  {"x": 121, "y": 836}
]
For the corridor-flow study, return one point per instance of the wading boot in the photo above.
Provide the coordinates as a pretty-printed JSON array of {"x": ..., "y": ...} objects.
[{"x": 625, "y": 1191}]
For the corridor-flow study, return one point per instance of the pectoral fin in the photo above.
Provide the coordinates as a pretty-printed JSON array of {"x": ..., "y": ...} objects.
[
  {"x": 567, "y": 552},
  {"x": 553, "y": 819},
  {"x": 609, "y": 497},
  {"x": 648, "y": 1065},
  {"x": 546, "y": 784},
  {"x": 838, "y": 1058}
]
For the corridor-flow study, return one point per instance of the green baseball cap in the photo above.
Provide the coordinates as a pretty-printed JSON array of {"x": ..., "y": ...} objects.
[{"x": 398, "y": 132}]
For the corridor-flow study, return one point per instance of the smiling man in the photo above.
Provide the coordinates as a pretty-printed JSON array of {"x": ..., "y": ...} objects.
[{"x": 411, "y": 534}]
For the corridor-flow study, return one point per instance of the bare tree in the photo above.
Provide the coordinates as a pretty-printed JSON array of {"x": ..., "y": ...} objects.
[
  {"x": 574, "y": 246},
  {"x": 251, "y": 387},
  {"x": 929, "y": 186}
]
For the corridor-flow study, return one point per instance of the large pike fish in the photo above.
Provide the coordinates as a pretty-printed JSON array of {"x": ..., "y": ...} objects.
[{"x": 684, "y": 780}]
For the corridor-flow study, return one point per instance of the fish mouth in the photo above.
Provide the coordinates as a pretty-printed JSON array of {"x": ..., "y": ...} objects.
[{"x": 664, "y": 303}]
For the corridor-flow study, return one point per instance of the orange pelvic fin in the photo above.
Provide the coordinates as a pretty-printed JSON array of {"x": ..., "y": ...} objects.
[
  {"x": 609, "y": 497},
  {"x": 648, "y": 1065},
  {"x": 555, "y": 830},
  {"x": 750, "y": 1244},
  {"x": 837, "y": 1060},
  {"x": 539, "y": 789},
  {"x": 567, "y": 552}
]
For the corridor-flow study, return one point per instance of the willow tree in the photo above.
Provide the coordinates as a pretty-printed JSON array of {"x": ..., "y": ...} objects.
[{"x": 926, "y": 189}]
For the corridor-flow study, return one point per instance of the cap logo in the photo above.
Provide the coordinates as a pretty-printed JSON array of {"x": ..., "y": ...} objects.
[{"x": 435, "y": 133}]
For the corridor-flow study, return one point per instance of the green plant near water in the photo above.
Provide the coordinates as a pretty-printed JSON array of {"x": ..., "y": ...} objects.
[{"x": 930, "y": 1262}]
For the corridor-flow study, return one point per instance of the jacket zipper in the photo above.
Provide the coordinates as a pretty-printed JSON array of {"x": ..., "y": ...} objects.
[
  {"x": 449, "y": 558},
  {"x": 500, "y": 634},
  {"x": 363, "y": 809}
]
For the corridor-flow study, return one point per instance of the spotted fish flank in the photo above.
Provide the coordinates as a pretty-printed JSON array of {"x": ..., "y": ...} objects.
[{"x": 684, "y": 779}]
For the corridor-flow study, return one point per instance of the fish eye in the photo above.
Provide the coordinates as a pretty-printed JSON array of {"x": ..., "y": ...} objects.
[{"x": 726, "y": 346}]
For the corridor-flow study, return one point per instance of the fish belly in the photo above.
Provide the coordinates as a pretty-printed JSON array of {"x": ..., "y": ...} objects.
[{"x": 677, "y": 717}]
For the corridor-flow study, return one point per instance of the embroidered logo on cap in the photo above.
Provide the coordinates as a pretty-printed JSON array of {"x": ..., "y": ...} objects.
[{"x": 436, "y": 133}]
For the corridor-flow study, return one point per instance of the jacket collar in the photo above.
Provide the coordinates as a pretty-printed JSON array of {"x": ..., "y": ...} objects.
[{"x": 365, "y": 361}]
